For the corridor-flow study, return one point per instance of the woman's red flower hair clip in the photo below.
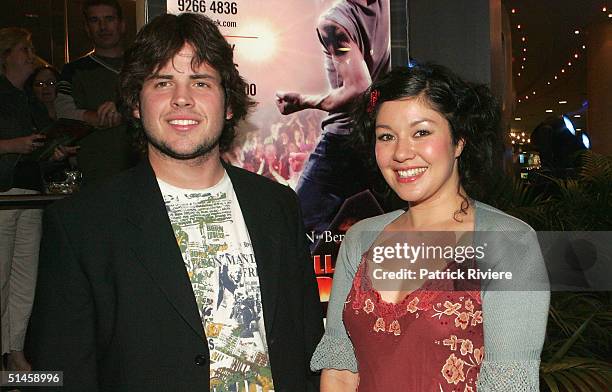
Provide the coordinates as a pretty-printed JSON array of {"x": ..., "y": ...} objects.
[{"x": 374, "y": 95}]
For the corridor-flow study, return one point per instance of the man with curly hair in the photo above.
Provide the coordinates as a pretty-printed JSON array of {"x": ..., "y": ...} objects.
[{"x": 140, "y": 278}]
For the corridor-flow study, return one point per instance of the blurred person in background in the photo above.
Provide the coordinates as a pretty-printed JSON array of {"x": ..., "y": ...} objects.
[
  {"x": 87, "y": 91},
  {"x": 19, "y": 229},
  {"x": 42, "y": 86}
]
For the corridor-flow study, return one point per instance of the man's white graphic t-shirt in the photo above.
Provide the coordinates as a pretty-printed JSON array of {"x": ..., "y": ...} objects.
[{"x": 216, "y": 248}]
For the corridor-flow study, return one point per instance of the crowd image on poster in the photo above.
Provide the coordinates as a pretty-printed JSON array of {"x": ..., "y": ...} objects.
[{"x": 305, "y": 62}]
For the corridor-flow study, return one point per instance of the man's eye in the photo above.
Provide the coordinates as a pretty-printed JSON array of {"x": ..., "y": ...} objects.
[
  {"x": 384, "y": 137},
  {"x": 201, "y": 84},
  {"x": 161, "y": 84}
]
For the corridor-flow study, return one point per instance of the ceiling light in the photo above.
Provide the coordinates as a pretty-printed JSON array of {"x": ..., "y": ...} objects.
[
  {"x": 576, "y": 32},
  {"x": 586, "y": 141},
  {"x": 518, "y": 26},
  {"x": 519, "y": 101},
  {"x": 555, "y": 77},
  {"x": 569, "y": 63},
  {"x": 569, "y": 125},
  {"x": 583, "y": 46},
  {"x": 513, "y": 142},
  {"x": 518, "y": 74},
  {"x": 523, "y": 39},
  {"x": 562, "y": 102},
  {"x": 579, "y": 129},
  {"x": 524, "y": 49},
  {"x": 528, "y": 140},
  {"x": 549, "y": 111},
  {"x": 575, "y": 55},
  {"x": 533, "y": 92},
  {"x": 547, "y": 82},
  {"x": 517, "y": 118},
  {"x": 522, "y": 67},
  {"x": 522, "y": 133},
  {"x": 604, "y": 9},
  {"x": 563, "y": 70},
  {"x": 609, "y": 15},
  {"x": 577, "y": 116},
  {"x": 524, "y": 58}
]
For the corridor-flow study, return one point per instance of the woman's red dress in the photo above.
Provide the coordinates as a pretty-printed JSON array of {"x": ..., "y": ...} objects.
[{"x": 430, "y": 341}]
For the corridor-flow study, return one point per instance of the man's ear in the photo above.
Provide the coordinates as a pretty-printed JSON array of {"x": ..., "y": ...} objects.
[{"x": 459, "y": 147}]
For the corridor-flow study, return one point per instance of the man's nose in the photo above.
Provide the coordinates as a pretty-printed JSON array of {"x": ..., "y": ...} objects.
[{"x": 182, "y": 97}]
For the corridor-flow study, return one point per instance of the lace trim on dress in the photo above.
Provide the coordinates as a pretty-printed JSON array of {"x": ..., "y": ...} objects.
[{"x": 422, "y": 298}]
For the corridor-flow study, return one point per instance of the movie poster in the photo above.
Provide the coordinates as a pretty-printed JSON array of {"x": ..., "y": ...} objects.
[{"x": 294, "y": 51}]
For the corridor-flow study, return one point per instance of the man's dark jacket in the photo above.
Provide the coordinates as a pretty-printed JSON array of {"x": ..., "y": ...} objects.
[{"x": 114, "y": 308}]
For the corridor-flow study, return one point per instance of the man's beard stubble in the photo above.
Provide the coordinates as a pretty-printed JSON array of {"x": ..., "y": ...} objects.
[{"x": 201, "y": 151}]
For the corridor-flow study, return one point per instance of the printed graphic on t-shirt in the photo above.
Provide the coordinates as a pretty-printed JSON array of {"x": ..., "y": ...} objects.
[{"x": 220, "y": 262}]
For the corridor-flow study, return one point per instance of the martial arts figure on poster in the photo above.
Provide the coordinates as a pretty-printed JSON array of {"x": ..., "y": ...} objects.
[{"x": 355, "y": 35}]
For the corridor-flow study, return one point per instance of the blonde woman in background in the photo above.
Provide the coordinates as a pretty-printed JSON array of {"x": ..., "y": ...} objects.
[{"x": 20, "y": 229}]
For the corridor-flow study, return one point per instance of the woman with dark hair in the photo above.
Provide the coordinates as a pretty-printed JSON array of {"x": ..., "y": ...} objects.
[
  {"x": 42, "y": 87},
  {"x": 434, "y": 323}
]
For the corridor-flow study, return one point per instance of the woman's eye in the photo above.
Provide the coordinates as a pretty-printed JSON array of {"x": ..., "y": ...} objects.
[
  {"x": 421, "y": 133},
  {"x": 385, "y": 137}
]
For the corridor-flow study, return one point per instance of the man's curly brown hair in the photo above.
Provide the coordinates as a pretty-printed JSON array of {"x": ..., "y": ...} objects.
[{"x": 157, "y": 44}]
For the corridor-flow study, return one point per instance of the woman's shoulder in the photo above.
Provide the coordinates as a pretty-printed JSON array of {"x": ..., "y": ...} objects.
[{"x": 489, "y": 218}]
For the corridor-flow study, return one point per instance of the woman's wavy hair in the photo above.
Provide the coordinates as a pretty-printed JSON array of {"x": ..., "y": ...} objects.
[
  {"x": 159, "y": 41},
  {"x": 471, "y": 110}
]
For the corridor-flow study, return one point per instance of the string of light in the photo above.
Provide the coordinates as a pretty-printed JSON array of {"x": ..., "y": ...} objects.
[{"x": 564, "y": 69}]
